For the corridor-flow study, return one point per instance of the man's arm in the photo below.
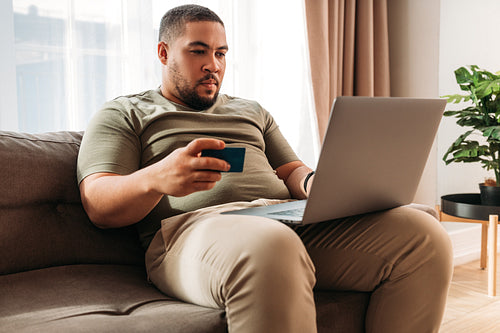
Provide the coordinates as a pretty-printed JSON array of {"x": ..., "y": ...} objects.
[
  {"x": 113, "y": 200},
  {"x": 294, "y": 175}
]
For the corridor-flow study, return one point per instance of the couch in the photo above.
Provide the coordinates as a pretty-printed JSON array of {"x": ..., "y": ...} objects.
[{"x": 59, "y": 273}]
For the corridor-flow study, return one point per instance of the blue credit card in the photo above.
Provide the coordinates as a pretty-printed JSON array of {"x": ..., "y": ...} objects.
[{"x": 235, "y": 156}]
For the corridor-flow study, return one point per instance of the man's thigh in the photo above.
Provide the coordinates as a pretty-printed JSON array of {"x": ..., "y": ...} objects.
[
  {"x": 359, "y": 253},
  {"x": 194, "y": 257}
]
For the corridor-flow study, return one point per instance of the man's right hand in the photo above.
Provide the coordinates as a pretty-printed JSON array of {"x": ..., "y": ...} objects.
[
  {"x": 184, "y": 171},
  {"x": 113, "y": 200}
]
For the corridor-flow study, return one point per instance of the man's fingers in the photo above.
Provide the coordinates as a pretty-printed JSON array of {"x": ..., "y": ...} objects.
[
  {"x": 210, "y": 163},
  {"x": 203, "y": 186},
  {"x": 206, "y": 176},
  {"x": 195, "y": 147},
  {"x": 203, "y": 181}
]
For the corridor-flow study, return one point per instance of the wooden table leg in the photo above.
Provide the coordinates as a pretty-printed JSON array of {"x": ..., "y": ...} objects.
[
  {"x": 484, "y": 244},
  {"x": 492, "y": 255}
]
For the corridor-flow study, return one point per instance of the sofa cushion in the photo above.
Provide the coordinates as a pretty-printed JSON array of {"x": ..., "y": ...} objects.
[
  {"x": 42, "y": 222},
  {"x": 96, "y": 298},
  {"x": 117, "y": 298}
]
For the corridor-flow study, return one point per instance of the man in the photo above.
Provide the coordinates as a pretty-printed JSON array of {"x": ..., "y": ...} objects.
[{"x": 140, "y": 164}]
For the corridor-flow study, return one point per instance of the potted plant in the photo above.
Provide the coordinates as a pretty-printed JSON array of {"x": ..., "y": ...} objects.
[{"x": 481, "y": 140}]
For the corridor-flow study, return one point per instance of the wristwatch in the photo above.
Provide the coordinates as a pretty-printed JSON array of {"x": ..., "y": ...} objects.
[{"x": 307, "y": 180}]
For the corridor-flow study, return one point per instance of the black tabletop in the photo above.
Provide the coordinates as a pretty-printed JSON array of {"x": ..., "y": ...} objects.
[{"x": 467, "y": 206}]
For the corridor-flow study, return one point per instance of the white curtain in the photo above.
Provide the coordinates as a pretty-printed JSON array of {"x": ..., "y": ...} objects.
[{"x": 71, "y": 56}]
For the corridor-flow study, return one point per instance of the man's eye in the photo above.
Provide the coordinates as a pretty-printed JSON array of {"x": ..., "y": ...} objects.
[
  {"x": 221, "y": 54},
  {"x": 197, "y": 51}
]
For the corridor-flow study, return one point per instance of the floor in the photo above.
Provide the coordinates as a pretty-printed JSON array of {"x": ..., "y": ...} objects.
[{"x": 469, "y": 308}]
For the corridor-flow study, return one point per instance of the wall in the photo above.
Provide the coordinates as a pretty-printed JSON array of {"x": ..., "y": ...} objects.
[
  {"x": 414, "y": 58},
  {"x": 469, "y": 36}
]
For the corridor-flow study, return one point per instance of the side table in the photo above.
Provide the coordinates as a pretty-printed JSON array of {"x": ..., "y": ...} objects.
[{"x": 468, "y": 206}]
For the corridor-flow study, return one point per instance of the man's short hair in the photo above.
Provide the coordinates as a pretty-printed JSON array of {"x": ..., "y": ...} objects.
[{"x": 174, "y": 21}]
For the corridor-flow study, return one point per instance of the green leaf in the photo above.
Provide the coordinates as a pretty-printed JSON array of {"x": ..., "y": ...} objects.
[
  {"x": 464, "y": 113},
  {"x": 456, "y": 98},
  {"x": 471, "y": 152},
  {"x": 474, "y": 68},
  {"x": 492, "y": 132},
  {"x": 461, "y": 139},
  {"x": 487, "y": 88},
  {"x": 463, "y": 76}
]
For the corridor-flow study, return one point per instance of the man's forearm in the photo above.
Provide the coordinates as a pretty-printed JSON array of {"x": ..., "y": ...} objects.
[
  {"x": 296, "y": 185},
  {"x": 113, "y": 201},
  {"x": 294, "y": 178}
]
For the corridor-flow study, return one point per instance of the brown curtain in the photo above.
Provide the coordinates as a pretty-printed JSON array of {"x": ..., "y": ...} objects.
[{"x": 349, "y": 51}]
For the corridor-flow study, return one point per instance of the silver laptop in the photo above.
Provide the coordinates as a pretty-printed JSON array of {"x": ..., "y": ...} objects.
[{"x": 372, "y": 158}]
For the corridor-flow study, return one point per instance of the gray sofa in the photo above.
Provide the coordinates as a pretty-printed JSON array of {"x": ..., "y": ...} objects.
[{"x": 59, "y": 273}]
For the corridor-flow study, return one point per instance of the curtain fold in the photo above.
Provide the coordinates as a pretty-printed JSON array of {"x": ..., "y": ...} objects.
[{"x": 349, "y": 51}]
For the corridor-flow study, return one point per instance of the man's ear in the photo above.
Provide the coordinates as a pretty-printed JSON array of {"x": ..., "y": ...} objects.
[{"x": 163, "y": 52}]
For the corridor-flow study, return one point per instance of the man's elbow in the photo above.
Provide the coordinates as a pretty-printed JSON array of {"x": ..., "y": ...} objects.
[
  {"x": 101, "y": 225},
  {"x": 104, "y": 218},
  {"x": 99, "y": 220},
  {"x": 92, "y": 204}
]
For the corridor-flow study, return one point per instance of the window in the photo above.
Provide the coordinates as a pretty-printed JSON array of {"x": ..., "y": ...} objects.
[{"x": 71, "y": 56}]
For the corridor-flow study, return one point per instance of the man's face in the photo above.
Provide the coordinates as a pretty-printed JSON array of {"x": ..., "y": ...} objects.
[{"x": 195, "y": 64}]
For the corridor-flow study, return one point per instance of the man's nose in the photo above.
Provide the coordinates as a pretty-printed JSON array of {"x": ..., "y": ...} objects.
[{"x": 212, "y": 65}]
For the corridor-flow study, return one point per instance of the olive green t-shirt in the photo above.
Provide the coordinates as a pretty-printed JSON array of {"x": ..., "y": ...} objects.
[{"x": 133, "y": 132}]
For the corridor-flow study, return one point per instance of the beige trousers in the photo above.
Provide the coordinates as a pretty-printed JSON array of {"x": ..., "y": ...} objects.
[{"x": 263, "y": 272}]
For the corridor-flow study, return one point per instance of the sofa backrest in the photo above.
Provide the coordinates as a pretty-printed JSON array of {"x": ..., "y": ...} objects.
[{"x": 42, "y": 221}]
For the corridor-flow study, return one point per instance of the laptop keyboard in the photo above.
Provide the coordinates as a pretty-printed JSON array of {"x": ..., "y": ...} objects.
[{"x": 290, "y": 212}]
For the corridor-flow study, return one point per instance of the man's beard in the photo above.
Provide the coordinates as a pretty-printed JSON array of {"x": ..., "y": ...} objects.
[{"x": 188, "y": 94}]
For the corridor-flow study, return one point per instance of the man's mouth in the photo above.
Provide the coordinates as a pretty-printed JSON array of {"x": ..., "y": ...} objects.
[{"x": 209, "y": 82}]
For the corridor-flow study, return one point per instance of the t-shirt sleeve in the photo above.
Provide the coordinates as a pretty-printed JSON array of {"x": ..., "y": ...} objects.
[
  {"x": 278, "y": 150},
  {"x": 110, "y": 143}
]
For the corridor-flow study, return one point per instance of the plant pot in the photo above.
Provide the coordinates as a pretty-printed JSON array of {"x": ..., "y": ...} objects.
[{"x": 490, "y": 195}]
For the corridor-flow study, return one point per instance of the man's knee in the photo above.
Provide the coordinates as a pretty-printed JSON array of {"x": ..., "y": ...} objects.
[
  {"x": 424, "y": 225},
  {"x": 427, "y": 239}
]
